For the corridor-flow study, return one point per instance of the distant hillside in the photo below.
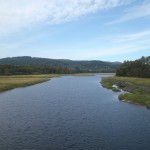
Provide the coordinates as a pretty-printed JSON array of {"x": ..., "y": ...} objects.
[{"x": 74, "y": 66}]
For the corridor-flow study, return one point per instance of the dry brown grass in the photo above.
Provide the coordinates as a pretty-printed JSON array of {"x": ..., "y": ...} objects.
[{"x": 11, "y": 82}]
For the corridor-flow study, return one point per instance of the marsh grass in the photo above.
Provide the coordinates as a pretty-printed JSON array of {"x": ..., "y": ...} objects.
[
  {"x": 107, "y": 83},
  {"x": 138, "y": 88},
  {"x": 15, "y": 81},
  {"x": 11, "y": 82},
  {"x": 89, "y": 74}
]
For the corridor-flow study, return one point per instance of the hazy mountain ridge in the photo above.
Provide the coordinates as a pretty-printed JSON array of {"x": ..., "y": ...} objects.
[
  {"x": 27, "y": 60},
  {"x": 75, "y": 65}
]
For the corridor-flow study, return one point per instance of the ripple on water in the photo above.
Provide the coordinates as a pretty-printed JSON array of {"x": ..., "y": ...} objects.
[{"x": 71, "y": 113}]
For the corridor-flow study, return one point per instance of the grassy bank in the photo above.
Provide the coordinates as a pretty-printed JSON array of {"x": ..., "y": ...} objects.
[
  {"x": 11, "y": 82},
  {"x": 15, "y": 81},
  {"x": 90, "y": 74},
  {"x": 138, "y": 88}
]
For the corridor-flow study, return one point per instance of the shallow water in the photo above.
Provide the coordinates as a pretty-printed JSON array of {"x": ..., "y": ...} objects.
[{"x": 71, "y": 113}]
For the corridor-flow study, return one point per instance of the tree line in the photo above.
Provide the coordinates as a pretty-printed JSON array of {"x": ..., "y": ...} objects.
[
  {"x": 7, "y": 69},
  {"x": 32, "y": 69},
  {"x": 137, "y": 68},
  {"x": 59, "y": 65}
]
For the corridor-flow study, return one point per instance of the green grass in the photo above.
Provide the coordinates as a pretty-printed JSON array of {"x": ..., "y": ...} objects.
[
  {"x": 138, "y": 88},
  {"x": 108, "y": 83}
]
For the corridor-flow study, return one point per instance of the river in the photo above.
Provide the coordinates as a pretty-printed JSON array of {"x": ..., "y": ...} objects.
[{"x": 71, "y": 113}]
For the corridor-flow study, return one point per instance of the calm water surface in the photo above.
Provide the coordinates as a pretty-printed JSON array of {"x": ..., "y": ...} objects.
[{"x": 71, "y": 113}]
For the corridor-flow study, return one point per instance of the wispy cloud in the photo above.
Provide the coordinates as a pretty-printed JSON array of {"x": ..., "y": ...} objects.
[
  {"x": 20, "y": 14},
  {"x": 119, "y": 45},
  {"x": 133, "y": 13},
  {"x": 130, "y": 37},
  {"x": 113, "y": 45},
  {"x": 99, "y": 53}
]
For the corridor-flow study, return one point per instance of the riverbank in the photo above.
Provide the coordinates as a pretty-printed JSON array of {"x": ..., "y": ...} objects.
[
  {"x": 15, "y": 81},
  {"x": 138, "y": 89}
]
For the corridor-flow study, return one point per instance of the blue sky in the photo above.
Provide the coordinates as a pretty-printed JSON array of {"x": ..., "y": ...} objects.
[{"x": 108, "y": 30}]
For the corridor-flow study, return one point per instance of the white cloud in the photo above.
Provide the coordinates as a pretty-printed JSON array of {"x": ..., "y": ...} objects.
[
  {"x": 20, "y": 14},
  {"x": 134, "y": 13}
]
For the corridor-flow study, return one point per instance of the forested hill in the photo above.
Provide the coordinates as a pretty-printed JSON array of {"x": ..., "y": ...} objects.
[
  {"x": 70, "y": 65},
  {"x": 27, "y": 60}
]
